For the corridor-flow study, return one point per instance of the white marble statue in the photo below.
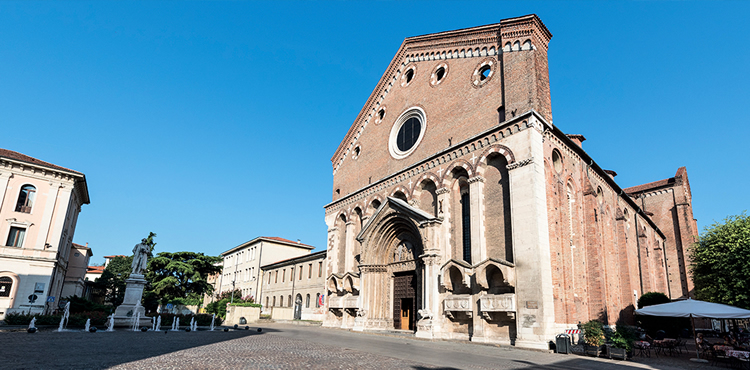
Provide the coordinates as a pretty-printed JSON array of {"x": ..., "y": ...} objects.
[{"x": 140, "y": 257}]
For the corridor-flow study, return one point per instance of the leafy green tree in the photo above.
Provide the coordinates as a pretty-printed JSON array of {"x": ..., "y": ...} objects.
[
  {"x": 719, "y": 262},
  {"x": 181, "y": 275},
  {"x": 652, "y": 298},
  {"x": 112, "y": 281}
]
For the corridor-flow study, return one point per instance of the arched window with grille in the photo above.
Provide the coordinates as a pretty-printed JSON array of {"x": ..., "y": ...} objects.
[
  {"x": 6, "y": 284},
  {"x": 307, "y": 301},
  {"x": 26, "y": 199}
]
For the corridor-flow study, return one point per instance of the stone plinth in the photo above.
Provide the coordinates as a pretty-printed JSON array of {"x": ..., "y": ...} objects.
[{"x": 131, "y": 303}]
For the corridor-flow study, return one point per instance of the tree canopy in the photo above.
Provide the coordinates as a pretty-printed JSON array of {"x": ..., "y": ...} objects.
[
  {"x": 112, "y": 281},
  {"x": 719, "y": 262},
  {"x": 181, "y": 274}
]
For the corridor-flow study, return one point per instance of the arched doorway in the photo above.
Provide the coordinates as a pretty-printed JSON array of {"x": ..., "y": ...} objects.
[
  {"x": 392, "y": 271},
  {"x": 298, "y": 307},
  {"x": 405, "y": 285}
]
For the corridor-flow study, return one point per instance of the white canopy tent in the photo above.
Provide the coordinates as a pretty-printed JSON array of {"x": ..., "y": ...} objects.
[{"x": 694, "y": 308}]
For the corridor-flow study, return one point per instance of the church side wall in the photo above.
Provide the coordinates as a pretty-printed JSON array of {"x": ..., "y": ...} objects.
[{"x": 599, "y": 263}]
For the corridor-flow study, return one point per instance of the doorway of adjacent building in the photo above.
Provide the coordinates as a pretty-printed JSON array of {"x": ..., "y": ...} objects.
[
  {"x": 404, "y": 300},
  {"x": 298, "y": 307}
]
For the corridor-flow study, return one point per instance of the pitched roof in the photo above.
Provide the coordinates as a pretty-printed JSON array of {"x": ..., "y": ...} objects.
[
  {"x": 95, "y": 269},
  {"x": 294, "y": 260},
  {"x": 16, "y": 156},
  {"x": 80, "y": 179},
  {"x": 274, "y": 239},
  {"x": 649, "y": 186}
]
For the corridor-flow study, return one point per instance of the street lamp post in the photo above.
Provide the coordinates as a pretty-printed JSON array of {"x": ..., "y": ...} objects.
[{"x": 232, "y": 299}]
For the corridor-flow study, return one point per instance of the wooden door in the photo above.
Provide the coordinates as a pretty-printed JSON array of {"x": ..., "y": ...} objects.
[
  {"x": 406, "y": 314},
  {"x": 404, "y": 300}
]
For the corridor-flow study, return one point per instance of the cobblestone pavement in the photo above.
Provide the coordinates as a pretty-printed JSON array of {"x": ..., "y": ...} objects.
[{"x": 282, "y": 346}]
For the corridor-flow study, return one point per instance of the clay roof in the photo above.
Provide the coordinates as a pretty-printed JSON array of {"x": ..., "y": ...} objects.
[
  {"x": 16, "y": 156},
  {"x": 285, "y": 240},
  {"x": 119, "y": 255},
  {"x": 649, "y": 186},
  {"x": 271, "y": 239},
  {"x": 294, "y": 260},
  {"x": 95, "y": 269}
]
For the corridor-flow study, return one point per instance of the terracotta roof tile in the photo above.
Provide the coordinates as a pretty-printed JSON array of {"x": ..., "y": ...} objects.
[
  {"x": 285, "y": 240},
  {"x": 16, "y": 156},
  {"x": 650, "y": 185}
]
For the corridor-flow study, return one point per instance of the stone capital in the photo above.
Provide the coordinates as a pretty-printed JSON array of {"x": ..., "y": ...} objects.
[
  {"x": 518, "y": 164},
  {"x": 475, "y": 179},
  {"x": 442, "y": 191}
]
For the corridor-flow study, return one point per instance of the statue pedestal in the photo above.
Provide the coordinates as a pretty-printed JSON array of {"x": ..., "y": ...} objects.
[{"x": 131, "y": 304}]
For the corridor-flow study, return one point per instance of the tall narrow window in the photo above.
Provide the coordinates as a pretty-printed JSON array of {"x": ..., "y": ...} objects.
[
  {"x": 15, "y": 237},
  {"x": 300, "y": 273},
  {"x": 307, "y": 301},
  {"x": 26, "y": 199},
  {"x": 309, "y": 272},
  {"x": 466, "y": 226},
  {"x": 283, "y": 275},
  {"x": 289, "y": 301},
  {"x": 317, "y": 300},
  {"x": 320, "y": 269}
]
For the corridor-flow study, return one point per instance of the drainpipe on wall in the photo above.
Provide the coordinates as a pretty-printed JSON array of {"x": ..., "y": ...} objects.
[
  {"x": 259, "y": 282},
  {"x": 638, "y": 247}
]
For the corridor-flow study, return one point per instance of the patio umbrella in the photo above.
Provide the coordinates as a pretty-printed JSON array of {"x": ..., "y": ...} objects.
[{"x": 693, "y": 308}]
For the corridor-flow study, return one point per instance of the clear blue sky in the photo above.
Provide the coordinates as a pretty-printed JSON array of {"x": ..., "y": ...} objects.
[{"x": 211, "y": 123}]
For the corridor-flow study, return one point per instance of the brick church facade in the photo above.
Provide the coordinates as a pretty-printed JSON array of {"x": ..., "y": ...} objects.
[{"x": 461, "y": 212}]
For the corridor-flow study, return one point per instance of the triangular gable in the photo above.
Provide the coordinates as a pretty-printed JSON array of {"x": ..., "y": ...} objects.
[{"x": 398, "y": 205}]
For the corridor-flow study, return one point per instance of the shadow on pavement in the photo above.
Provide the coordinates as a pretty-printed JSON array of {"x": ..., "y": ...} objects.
[{"x": 82, "y": 350}]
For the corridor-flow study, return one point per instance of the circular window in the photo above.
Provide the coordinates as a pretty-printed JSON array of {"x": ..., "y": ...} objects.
[
  {"x": 408, "y": 76},
  {"x": 557, "y": 160},
  {"x": 484, "y": 72},
  {"x": 380, "y": 115},
  {"x": 407, "y": 132},
  {"x": 438, "y": 74}
]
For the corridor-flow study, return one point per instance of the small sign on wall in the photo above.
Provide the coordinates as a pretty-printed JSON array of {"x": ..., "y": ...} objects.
[{"x": 532, "y": 305}]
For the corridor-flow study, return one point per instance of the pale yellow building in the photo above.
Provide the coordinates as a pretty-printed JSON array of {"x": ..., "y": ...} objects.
[
  {"x": 39, "y": 207},
  {"x": 242, "y": 263},
  {"x": 297, "y": 283},
  {"x": 75, "y": 277}
]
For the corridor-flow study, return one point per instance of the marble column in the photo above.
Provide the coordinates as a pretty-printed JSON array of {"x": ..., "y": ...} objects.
[{"x": 478, "y": 242}]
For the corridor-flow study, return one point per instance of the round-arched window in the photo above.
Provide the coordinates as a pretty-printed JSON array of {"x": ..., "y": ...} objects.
[{"x": 407, "y": 132}]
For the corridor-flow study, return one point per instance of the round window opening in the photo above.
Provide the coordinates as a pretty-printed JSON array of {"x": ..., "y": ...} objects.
[
  {"x": 485, "y": 72},
  {"x": 440, "y": 73},
  {"x": 557, "y": 161},
  {"x": 409, "y": 75},
  {"x": 407, "y": 132}
]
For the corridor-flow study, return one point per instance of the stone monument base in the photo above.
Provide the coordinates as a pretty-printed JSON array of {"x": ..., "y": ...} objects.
[{"x": 131, "y": 304}]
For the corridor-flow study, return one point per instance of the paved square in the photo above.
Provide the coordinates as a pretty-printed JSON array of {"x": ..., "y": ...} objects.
[{"x": 281, "y": 346}]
